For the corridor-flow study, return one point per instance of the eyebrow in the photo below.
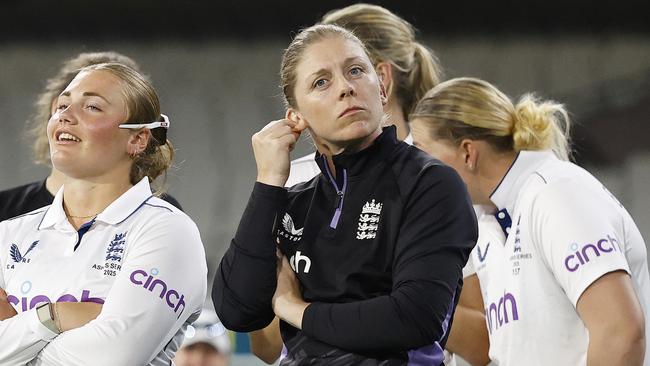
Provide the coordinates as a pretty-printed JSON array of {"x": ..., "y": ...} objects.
[
  {"x": 85, "y": 94},
  {"x": 345, "y": 62}
]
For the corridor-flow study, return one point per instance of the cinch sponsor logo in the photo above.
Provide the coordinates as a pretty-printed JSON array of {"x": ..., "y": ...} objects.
[
  {"x": 502, "y": 312},
  {"x": 582, "y": 256},
  {"x": 173, "y": 299},
  {"x": 30, "y": 302}
]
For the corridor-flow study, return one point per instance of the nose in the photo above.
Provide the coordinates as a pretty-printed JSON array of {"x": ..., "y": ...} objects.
[
  {"x": 64, "y": 115},
  {"x": 347, "y": 89}
]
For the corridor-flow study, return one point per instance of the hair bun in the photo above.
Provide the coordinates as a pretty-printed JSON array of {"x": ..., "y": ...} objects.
[{"x": 540, "y": 125}]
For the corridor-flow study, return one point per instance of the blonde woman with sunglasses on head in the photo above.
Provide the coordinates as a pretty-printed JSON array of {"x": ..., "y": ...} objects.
[{"x": 107, "y": 274}]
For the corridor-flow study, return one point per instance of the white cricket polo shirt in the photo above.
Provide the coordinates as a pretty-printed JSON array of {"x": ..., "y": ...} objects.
[
  {"x": 141, "y": 257},
  {"x": 566, "y": 231},
  {"x": 491, "y": 239}
]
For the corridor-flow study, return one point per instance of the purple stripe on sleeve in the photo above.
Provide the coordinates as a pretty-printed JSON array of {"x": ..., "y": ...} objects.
[{"x": 431, "y": 355}]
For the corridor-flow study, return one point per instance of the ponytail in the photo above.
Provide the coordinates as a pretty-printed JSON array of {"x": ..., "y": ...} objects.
[
  {"x": 470, "y": 108},
  {"x": 541, "y": 125},
  {"x": 424, "y": 74}
]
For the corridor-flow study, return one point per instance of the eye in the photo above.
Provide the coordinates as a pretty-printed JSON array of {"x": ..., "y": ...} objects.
[
  {"x": 93, "y": 107},
  {"x": 356, "y": 71},
  {"x": 320, "y": 83},
  {"x": 61, "y": 107}
]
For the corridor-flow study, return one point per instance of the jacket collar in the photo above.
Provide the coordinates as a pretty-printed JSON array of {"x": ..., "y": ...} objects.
[
  {"x": 358, "y": 162},
  {"x": 118, "y": 211}
]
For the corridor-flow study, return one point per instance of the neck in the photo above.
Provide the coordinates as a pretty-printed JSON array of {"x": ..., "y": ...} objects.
[
  {"x": 492, "y": 173},
  {"x": 54, "y": 181},
  {"x": 83, "y": 199},
  {"x": 329, "y": 149},
  {"x": 396, "y": 117}
]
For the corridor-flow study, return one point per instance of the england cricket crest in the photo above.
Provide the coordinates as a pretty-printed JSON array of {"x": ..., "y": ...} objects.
[{"x": 369, "y": 220}]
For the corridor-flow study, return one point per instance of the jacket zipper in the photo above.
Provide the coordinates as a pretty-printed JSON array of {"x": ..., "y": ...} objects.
[{"x": 340, "y": 193}]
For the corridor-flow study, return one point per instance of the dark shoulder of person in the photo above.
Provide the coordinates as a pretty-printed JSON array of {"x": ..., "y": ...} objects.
[
  {"x": 23, "y": 199},
  {"x": 172, "y": 200}
]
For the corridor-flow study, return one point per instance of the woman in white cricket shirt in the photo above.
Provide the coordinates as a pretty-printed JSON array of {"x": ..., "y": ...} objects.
[
  {"x": 570, "y": 286},
  {"x": 108, "y": 274}
]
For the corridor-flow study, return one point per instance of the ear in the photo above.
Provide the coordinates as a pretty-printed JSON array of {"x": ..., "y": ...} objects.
[
  {"x": 296, "y": 117},
  {"x": 382, "y": 94},
  {"x": 385, "y": 74},
  {"x": 469, "y": 150},
  {"x": 138, "y": 141}
]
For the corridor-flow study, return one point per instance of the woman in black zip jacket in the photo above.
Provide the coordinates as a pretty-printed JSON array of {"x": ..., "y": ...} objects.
[{"x": 377, "y": 241}]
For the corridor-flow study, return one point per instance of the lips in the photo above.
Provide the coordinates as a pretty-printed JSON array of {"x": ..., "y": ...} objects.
[
  {"x": 62, "y": 136},
  {"x": 351, "y": 110}
]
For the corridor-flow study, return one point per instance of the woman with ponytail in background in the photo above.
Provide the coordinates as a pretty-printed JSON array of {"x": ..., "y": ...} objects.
[{"x": 570, "y": 286}]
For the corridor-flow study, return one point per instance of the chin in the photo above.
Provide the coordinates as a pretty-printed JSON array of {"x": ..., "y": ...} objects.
[{"x": 359, "y": 130}]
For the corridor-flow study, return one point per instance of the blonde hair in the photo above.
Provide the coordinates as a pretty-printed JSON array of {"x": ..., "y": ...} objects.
[
  {"x": 293, "y": 54},
  {"x": 37, "y": 123},
  {"x": 472, "y": 108},
  {"x": 391, "y": 39},
  {"x": 143, "y": 106}
]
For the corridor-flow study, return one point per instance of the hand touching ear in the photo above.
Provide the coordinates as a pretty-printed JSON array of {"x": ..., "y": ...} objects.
[{"x": 272, "y": 145}]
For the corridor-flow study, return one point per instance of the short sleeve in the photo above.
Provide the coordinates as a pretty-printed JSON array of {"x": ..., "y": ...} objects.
[{"x": 579, "y": 233}]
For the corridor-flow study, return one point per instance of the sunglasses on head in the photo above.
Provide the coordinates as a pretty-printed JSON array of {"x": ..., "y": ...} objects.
[{"x": 158, "y": 128}]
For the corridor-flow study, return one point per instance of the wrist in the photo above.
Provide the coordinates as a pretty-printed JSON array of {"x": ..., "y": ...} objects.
[
  {"x": 278, "y": 180},
  {"x": 292, "y": 311},
  {"x": 46, "y": 315}
]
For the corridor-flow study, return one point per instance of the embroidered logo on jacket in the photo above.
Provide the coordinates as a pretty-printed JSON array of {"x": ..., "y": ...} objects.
[
  {"x": 17, "y": 257},
  {"x": 369, "y": 220},
  {"x": 114, "y": 254},
  {"x": 289, "y": 230}
]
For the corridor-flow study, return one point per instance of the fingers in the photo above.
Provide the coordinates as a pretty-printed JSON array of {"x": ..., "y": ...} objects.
[
  {"x": 279, "y": 127},
  {"x": 280, "y": 131}
]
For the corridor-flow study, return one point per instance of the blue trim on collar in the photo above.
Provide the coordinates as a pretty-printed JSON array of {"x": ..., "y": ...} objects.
[
  {"x": 35, "y": 212},
  {"x": 149, "y": 204},
  {"x": 505, "y": 175},
  {"x": 43, "y": 218},
  {"x": 83, "y": 229},
  {"x": 134, "y": 211}
]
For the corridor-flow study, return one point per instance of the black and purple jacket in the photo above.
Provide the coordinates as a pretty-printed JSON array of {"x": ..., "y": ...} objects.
[{"x": 378, "y": 249}]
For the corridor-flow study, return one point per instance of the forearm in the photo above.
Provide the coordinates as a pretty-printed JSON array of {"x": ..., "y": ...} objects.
[
  {"x": 469, "y": 337},
  {"x": 22, "y": 337},
  {"x": 614, "y": 319},
  {"x": 266, "y": 343},
  {"x": 246, "y": 278},
  {"x": 627, "y": 349},
  {"x": 71, "y": 315},
  {"x": 408, "y": 319}
]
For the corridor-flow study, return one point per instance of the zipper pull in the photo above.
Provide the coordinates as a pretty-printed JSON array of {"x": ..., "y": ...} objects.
[{"x": 339, "y": 197}]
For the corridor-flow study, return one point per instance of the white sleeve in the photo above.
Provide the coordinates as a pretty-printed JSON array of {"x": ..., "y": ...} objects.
[
  {"x": 163, "y": 280},
  {"x": 490, "y": 234},
  {"x": 23, "y": 336},
  {"x": 579, "y": 234}
]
